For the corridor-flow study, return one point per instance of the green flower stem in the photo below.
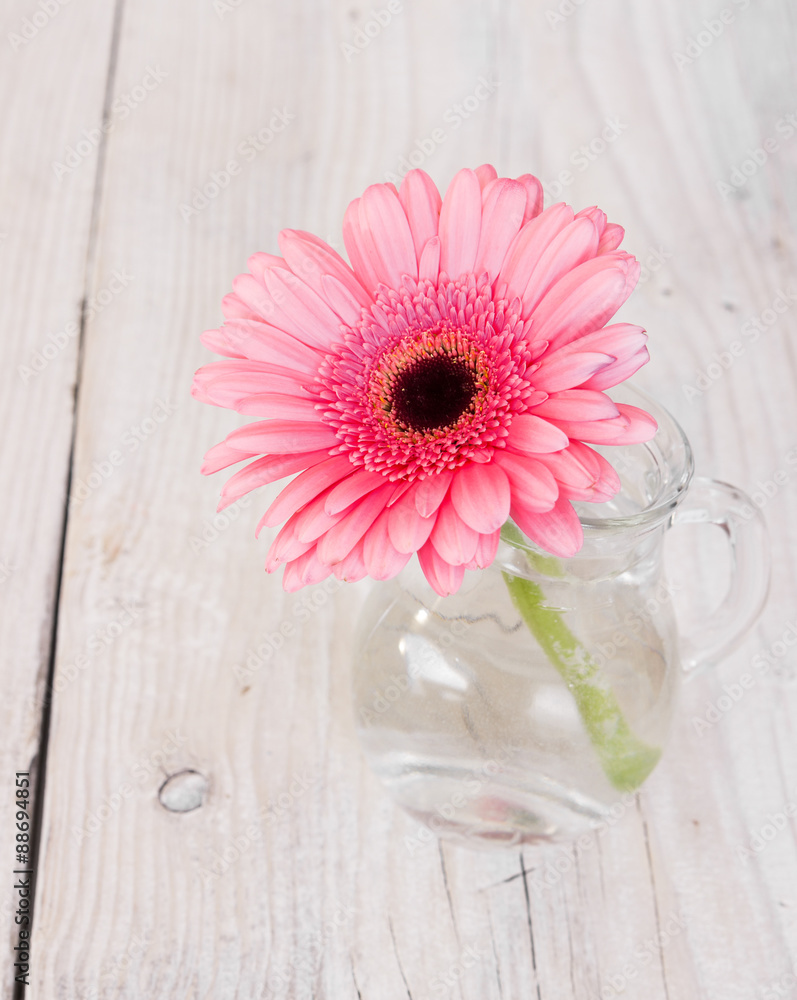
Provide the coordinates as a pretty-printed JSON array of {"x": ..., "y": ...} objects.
[{"x": 626, "y": 760}]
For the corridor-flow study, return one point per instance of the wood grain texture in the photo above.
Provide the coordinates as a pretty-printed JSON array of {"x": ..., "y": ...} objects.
[
  {"x": 293, "y": 877},
  {"x": 45, "y": 237}
]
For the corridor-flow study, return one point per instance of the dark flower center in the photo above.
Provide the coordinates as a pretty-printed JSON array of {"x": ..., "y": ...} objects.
[{"x": 433, "y": 392}]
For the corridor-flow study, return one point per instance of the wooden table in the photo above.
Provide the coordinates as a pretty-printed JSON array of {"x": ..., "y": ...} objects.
[{"x": 292, "y": 876}]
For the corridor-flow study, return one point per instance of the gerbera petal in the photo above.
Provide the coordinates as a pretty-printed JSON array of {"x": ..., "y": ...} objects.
[
  {"x": 361, "y": 254},
  {"x": 386, "y": 229},
  {"x": 282, "y": 437},
  {"x": 304, "y": 571},
  {"x": 502, "y": 217},
  {"x": 221, "y": 456},
  {"x": 460, "y": 224},
  {"x": 571, "y": 468},
  {"x": 401, "y": 488},
  {"x": 577, "y": 404},
  {"x": 481, "y": 496},
  {"x": 382, "y": 560},
  {"x": 279, "y": 405},
  {"x": 560, "y": 371},
  {"x": 622, "y": 343},
  {"x": 312, "y": 520},
  {"x": 233, "y": 366},
  {"x": 268, "y": 344},
  {"x": 219, "y": 342},
  {"x": 595, "y": 215},
  {"x": 234, "y": 388},
  {"x": 352, "y": 488},
  {"x": 604, "y": 488},
  {"x": 611, "y": 238},
  {"x": 305, "y": 487},
  {"x": 619, "y": 340},
  {"x": 610, "y": 235},
  {"x": 444, "y": 578},
  {"x": 558, "y": 530},
  {"x": 430, "y": 492},
  {"x": 254, "y": 295},
  {"x": 262, "y": 471},
  {"x": 429, "y": 264},
  {"x": 529, "y": 245},
  {"x": 618, "y": 371},
  {"x": 300, "y": 311},
  {"x": 352, "y": 567},
  {"x": 234, "y": 391},
  {"x": 640, "y": 425},
  {"x": 229, "y": 388},
  {"x": 582, "y": 474},
  {"x": 486, "y": 174},
  {"x": 588, "y": 459},
  {"x": 421, "y": 202},
  {"x": 575, "y": 244},
  {"x": 591, "y": 494},
  {"x": 312, "y": 260},
  {"x": 584, "y": 299},
  {"x": 534, "y": 196},
  {"x": 632, "y": 426},
  {"x": 485, "y": 551},
  {"x": 341, "y": 300},
  {"x": 408, "y": 530},
  {"x": 233, "y": 307},
  {"x": 488, "y": 188},
  {"x": 531, "y": 482},
  {"x": 286, "y": 546},
  {"x": 454, "y": 540},
  {"x": 340, "y": 540},
  {"x": 531, "y": 435},
  {"x": 260, "y": 262}
]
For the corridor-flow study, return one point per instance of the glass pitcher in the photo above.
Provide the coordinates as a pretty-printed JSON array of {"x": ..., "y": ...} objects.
[{"x": 521, "y": 708}]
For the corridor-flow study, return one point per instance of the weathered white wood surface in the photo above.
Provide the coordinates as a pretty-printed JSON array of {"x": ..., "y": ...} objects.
[
  {"x": 48, "y": 97},
  {"x": 292, "y": 878}
]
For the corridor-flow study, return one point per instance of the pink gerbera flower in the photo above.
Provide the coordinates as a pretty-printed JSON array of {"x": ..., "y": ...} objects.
[{"x": 451, "y": 378}]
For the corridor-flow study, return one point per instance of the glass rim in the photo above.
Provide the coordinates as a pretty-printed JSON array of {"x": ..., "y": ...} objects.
[{"x": 674, "y": 489}]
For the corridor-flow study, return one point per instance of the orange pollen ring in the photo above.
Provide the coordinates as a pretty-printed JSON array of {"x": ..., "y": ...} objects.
[{"x": 422, "y": 347}]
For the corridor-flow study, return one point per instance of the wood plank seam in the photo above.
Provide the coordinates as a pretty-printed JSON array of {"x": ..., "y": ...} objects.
[{"x": 39, "y": 764}]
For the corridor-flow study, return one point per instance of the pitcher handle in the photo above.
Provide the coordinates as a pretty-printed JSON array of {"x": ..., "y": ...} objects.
[{"x": 710, "y": 501}]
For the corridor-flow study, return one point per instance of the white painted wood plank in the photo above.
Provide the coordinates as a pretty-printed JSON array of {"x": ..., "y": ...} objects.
[
  {"x": 294, "y": 874},
  {"x": 52, "y": 78}
]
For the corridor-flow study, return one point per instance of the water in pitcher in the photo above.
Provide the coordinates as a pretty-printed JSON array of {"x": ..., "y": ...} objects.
[{"x": 471, "y": 728}]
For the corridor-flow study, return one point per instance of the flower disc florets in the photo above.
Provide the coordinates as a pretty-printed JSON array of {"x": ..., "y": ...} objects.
[{"x": 429, "y": 379}]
